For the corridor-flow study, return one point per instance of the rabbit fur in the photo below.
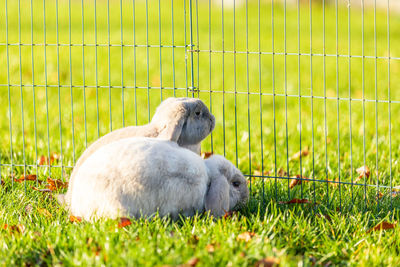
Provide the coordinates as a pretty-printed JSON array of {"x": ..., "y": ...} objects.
[
  {"x": 141, "y": 176},
  {"x": 186, "y": 121}
]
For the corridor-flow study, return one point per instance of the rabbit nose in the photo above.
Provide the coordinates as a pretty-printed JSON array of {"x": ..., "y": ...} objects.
[{"x": 212, "y": 123}]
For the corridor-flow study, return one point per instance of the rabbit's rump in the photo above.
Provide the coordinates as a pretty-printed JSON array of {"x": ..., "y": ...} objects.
[{"x": 138, "y": 177}]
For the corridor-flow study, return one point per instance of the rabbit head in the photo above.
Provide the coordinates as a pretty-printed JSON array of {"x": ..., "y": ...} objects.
[
  {"x": 228, "y": 187},
  {"x": 186, "y": 121}
]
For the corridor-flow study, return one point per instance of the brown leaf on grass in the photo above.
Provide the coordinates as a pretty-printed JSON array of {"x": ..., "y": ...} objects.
[
  {"x": 206, "y": 155},
  {"x": 55, "y": 184},
  {"x": 363, "y": 172},
  {"x": 2, "y": 183},
  {"x": 96, "y": 250},
  {"x": 18, "y": 228},
  {"x": 298, "y": 181},
  {"x": 326, "y": 216},
  {"x": 210, "y": 248},
  {"x": 43, "y": 160},
  {"x": 383, "y": 226},
  {"x": 28, "y": 177},
  {"x": 267, "y": 262},
  {"x": 44, "y": 212},
  {"x": 245, "y": 236},
  {"x": 334, "y": 183},
  {"x": 194, "y": 239},
  {"x": 230, "y": 214},
  {"x": 93, "y": 245},
  {"x": 302, "y": 153},
  {"x": 76, "y": 219},
  {"x": 296, "y": 201},
  {"x": 192, "y": 262},
  {"x": 282, "y": 172},
  {"x": 395, "y": 192},
  {"x": 379, "y": 195},
  {"x": 51, "y": 187},
  {"x": 123, "y": 222}
]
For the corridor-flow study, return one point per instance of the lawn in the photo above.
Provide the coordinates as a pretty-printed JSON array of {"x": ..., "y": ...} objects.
[{"x": 103, "y": 68}]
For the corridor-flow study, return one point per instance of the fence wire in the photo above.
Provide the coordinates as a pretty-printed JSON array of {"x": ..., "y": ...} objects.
[{"x": 303, "y": 91}]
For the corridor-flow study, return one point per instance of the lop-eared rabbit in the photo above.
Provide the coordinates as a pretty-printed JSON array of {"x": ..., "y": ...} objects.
[
  {"x": 141, "y": 176},
  {"x": 186, "y": 121}
]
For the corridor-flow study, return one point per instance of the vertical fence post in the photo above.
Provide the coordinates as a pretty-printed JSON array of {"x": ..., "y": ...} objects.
[
  {"x": 9, "y": 96},
  {"x": 191, "y": 45}
]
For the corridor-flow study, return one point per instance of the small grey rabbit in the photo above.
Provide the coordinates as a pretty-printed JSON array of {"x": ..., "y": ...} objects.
[
  {"x": 140, "y": 176},
  {"x": 186, "y": 121}
]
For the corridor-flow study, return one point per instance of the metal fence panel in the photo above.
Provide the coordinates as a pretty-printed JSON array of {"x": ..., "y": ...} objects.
[{"x": 302, "y": 90}]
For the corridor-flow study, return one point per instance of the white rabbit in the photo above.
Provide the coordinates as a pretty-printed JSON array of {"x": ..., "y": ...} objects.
[
  {"x": 140, "y": 176},
  {"x": 186, "y": 121}
]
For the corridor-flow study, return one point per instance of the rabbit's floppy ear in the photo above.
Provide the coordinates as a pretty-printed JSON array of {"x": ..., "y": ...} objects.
[
  {"x": 217, "y": 197},
  {"x": 171, "y": 128}
]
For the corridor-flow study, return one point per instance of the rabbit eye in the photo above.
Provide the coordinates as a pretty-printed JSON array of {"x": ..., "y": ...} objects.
[
  {"x": 236, "y": 184},
  {"x": 197, "y": 113}
]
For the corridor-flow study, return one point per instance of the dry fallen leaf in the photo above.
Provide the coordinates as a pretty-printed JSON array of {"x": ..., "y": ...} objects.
[
  {"x": 192, "y": 262},
  {"x": 230, "y": 214},
  {"x": 395, "y": 193},
  {"x": 96, "y": 250},
  {"x": 296, "y": 201},
  {"x": 55, "y": 184},
  {"x": 379, "y": 196},
  {"x": 19, "y": 228},
  {"x": 267, "y": 262},
  {"x": 194, "y": 239},
  {"x": 282, "y": 173},
  {"x": 206, "y": 155},
  {"x": 73, "y": 218},
  {"x": 298, "y": 181},
  {"x": 334, "y": 183},
  {"x": 326, "y": 216},
  {"x": 383, "y": 226},
  {"x": 43, "y": 160},
  {"x": 44, "y": 212},
  {"x": 302, "y": 153},
  {"x": 29, "y": 177},
  {"x": 123, "y": 222},
  {"x": 210, "y": 248},
  {"x": 245, "y": 236},
  {"x": 363, "y": 172}
]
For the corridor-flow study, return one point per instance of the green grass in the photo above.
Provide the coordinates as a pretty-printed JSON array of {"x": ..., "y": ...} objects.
[
  {"x": 78, "y": 115},
  {"x": 292, "y": 235}
]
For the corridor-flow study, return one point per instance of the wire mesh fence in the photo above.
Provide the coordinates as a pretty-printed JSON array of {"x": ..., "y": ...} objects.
[{"x": 304, "y": 92}]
